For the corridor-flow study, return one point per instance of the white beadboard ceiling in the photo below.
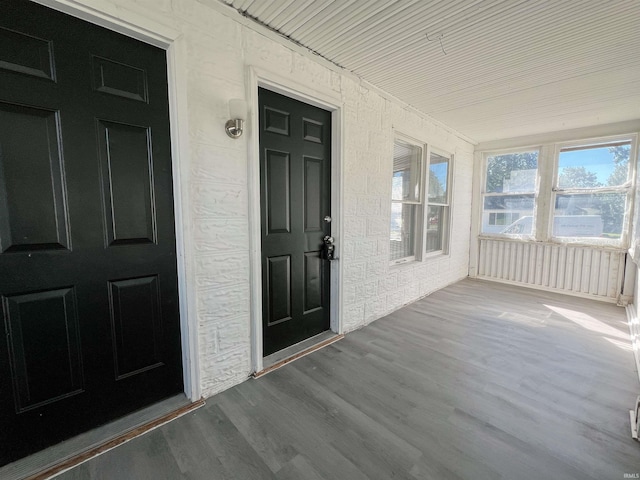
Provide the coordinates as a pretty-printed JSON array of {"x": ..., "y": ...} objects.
[{"x": 511, "y": 68}]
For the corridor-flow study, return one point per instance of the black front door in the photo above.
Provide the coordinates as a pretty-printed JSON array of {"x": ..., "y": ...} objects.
[
  {"x": 88, "y": 280},
  {"x": 295, "y": 180}
]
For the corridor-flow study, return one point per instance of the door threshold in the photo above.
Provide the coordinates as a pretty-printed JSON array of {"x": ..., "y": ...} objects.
[
  {"x": 74, "y": 451},
  {"x": 279, "y": 359}
]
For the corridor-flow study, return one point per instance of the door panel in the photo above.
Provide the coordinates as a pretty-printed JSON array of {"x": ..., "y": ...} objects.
[
  {"x": 44, "y": 371},
  {"x": 25, "y": 54},
  {"x": 87, "y": 234},
  {"x": 313, "y": 281},
  {"x": 136, "y": 325},
  {"x": 278, "y": 192},
  {"x": 127, "y": 182},
  {"x": 119, "y": 79},
  {"x": 32, "y": 209},
  {"x": 279, "y": 289},
  {"x": 295, "y": 175}
]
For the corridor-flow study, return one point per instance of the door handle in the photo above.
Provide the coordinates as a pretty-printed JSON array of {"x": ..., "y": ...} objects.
[{"x": 329, "y": 249}]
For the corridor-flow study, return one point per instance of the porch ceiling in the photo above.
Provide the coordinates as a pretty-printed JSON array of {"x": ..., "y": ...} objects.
[{"x": 511, "y": 68}]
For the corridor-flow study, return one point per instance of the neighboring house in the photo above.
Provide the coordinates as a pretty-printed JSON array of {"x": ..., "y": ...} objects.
[{"x": 145, "y": 252}]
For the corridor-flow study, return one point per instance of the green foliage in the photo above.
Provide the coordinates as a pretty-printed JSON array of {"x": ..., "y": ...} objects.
[
  {"x": 613, "y": 210},
  {"x": 578, "y": 177},
  {"x": 621, "y": 160},
  {"x": 499, "y": 168},
  {"x": 436, "y": 190}
]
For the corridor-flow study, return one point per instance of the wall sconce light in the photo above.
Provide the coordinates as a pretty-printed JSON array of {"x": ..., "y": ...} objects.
[{"x": 238, "y": 114}]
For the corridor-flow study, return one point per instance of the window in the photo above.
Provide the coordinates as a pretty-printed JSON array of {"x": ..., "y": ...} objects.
[
  {"x": 592, "y": 190},
  {"x": 437, "y": 219},
  {"x": 406, "y": 189},
  {"x": 503, "y": 219},
  {"x": 581, "y": 194},
  {"x": 509, "y": 193}
]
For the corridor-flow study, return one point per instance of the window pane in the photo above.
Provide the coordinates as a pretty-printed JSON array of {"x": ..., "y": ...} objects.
[
  {"x": 436, "y": 224},
  {"x": 589, "y": 215},
  {"x": 438, "y": 175},
  {"x": 503, "y": 218},
  {"x": 403, "y": 222},
  {"x": 513, "y": 172},
  {"x": 508, "y": 214},
  {"x": 594, "y": 166},
  {"x": 406, "y": 172}
]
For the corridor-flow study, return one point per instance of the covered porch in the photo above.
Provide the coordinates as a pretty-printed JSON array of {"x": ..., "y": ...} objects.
[{"x": 478, "y": 380}]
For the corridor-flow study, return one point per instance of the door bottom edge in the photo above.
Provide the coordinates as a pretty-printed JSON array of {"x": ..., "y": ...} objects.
[
  {"x": 67, "y": 462},
  {"x": 299, "y": 350}
]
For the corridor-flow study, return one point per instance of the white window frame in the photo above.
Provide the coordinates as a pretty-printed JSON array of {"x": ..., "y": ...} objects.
[
  {"x": 484, "y": 194},
  {"x": 419, "y": 214},
  {"x": 547, "y": 189},
  {"x": 446, "y": 228},
  {"x": 628, "y": 187}
]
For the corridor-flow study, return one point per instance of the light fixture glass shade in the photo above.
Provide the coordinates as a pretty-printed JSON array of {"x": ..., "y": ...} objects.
[{"x": 237, "y": 109}]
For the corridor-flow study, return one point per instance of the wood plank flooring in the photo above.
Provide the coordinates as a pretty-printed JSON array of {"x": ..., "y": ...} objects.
[{"x": 477, "y": 381}]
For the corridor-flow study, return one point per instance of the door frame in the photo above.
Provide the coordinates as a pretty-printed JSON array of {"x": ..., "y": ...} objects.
[
  {"x": 172, "y": 41},
  {"x": 327, "y": 100}
]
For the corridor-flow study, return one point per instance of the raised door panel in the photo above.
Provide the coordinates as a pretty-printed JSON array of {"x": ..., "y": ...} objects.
[
  {"x": 119, "y": 79},
  {"x": 278, "y": 186},
  {"x": 313, "y": 214},
  {"x": 276, "y": 121},
  {"x": 127, "y": 177},
  {"x": 26, "y": 54},
  {"x": 279, "y": 287},
  {"x": 313, "y": 282},
  {"x": 312, "y": 130},
  {"x": 44, "y": 347},
  {"x": 33, "y": 212},
  {"x": 136, "y": 325}
]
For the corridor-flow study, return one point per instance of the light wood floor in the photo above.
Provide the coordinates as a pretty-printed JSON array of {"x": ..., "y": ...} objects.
[{"x": 477, "y": 381}]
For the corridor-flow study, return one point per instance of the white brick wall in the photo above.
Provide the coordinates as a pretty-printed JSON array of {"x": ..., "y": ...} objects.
[
  {"x": 372, "y": 288},
  {"x": 219, "y": 49}
]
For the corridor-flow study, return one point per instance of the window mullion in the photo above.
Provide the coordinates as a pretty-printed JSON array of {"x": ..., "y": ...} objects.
[{"x": 545, "y": 197}]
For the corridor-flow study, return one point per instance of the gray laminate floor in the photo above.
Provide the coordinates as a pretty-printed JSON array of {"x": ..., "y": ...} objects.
[{"x": 477, "y": 381}]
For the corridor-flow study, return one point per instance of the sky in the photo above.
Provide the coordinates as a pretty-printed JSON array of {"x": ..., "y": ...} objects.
[
  {"x": 439, "y": 170},
  {"x": 597, "y": 160}
]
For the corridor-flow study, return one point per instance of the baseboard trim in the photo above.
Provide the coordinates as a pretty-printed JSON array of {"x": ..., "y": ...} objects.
[{"x": 634, "y": 332}]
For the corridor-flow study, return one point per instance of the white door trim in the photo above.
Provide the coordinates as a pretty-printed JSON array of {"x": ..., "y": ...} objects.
[
  {"x": 328, "y": 100},
  {"x": 136, "y": 26}
]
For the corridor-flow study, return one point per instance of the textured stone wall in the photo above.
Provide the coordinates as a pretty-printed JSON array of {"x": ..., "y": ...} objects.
[{"x": 214, "y": 179}]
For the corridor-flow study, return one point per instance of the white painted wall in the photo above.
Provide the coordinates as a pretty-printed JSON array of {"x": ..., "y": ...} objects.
[{"x": 218, "y": 46}]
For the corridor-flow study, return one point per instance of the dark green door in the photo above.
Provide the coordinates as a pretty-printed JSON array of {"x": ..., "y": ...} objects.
[
  {"x": 88, "y": 285},
  {"x": 295, "y": 182}
]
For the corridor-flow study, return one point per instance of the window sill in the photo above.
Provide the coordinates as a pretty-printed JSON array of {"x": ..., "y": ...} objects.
[
  {"x": 564, "y": 241},
  {"x": 399, "y": 264},
  {"x": 433, "y": 255}
]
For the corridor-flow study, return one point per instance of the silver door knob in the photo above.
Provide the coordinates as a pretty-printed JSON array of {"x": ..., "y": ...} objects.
[{"x": 327, "y": 219}]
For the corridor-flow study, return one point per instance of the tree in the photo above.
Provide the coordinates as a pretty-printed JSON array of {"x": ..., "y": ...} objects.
[
  {"x": 500, "y": 168},
  {"x": 578, "y": 177},
  {"x": 436, "y": 190},
  {"x": 621, "y": 165},
  {"x": 613, "y": 204}
]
